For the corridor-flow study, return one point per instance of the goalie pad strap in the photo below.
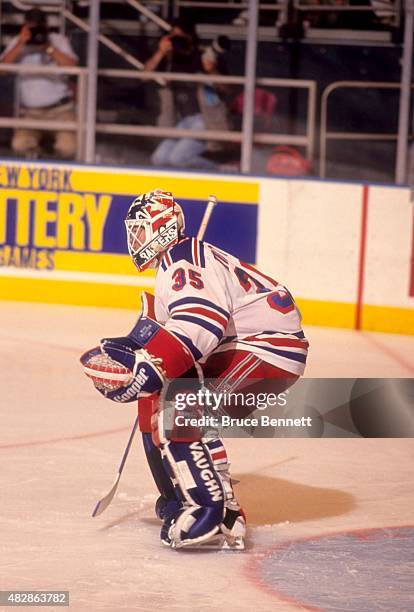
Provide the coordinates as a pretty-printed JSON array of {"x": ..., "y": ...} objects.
[
  {"x": 162, "y": 344},
  {"x": 161, "y": 477}
]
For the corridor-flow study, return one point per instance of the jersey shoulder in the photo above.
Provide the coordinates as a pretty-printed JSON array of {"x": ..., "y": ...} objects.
[{"x": 189, "y": 249}]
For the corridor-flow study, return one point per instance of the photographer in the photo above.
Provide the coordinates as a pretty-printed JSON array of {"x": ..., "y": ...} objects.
[
  {"x": 178, "y": 51},
  {"x": 42, "y": 96}
]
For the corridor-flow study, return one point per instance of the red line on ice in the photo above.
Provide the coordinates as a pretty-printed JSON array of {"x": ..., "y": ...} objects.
[
  {"x": 94, "y": 434},
  {"x": 390, "y": 353}
]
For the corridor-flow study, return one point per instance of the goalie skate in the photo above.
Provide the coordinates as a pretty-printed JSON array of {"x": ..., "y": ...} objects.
[
  {"x": 233, "y": 528},
  {"x": 217, "y": 542},
  {"x": 231, "y": 535}
]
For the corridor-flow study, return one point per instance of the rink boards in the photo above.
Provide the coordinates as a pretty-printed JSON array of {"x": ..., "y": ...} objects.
[{"x": 345, "y": 250}]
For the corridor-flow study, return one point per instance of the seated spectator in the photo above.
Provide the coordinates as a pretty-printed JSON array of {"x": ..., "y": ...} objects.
[
  {"x": 178, "y": 51},
  {"x": 215, "y": 98},
  {"x": 42, "y": 96}
]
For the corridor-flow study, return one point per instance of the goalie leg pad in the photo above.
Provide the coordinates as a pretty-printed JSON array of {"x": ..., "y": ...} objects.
[
  {"x": 221, "y": 464},
  {"x": 167, "y": 504},
  {"x": 168, "y": 420},
  {"x": 166, "y": 508},
  {"x": 233, "y": 526},
  {"x": 193, "y": 473},
  {"x": 191, "y": 526}
]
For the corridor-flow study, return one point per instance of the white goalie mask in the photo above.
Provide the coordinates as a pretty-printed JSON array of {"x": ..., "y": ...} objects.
[{"x": 154, "y": 223}]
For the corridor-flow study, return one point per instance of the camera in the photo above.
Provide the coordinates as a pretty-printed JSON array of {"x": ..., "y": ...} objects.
[
  {"x": 181, "y": 44},
  {"x": 39, "y": 35}
]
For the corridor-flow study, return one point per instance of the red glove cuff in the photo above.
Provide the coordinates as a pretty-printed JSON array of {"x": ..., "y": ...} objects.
[{"x": 176, "y": 357}]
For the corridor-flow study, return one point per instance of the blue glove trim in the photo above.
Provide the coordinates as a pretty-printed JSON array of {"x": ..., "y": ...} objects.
[{"x": 121, "y": 350}]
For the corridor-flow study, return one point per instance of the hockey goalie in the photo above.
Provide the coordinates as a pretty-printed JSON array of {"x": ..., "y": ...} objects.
[{"x": 212, "y": 316}]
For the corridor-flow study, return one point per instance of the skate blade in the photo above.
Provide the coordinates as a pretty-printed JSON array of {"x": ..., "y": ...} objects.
[{"x": 217, "y": 542}]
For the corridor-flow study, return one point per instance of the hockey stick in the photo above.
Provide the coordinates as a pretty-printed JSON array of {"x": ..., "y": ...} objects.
[
  {"x": 106, "y": 500},
  {"x": 212, "y": 201}
]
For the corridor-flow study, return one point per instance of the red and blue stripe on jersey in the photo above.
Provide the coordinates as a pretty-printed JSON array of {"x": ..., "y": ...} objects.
[
  {"x": 201, "y": 312},
  {"x": 290, "y": 346},
  {"x": 188, "y": 249}
]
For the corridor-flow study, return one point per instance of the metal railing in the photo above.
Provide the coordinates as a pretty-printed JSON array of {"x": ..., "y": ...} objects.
[
  {"x": 307, "y": 140},
  {"x": 86, "y": 129},
  {"x": 45, "y": 5},
  {"x": 282, "y": 5},
  {"x": 274, "y": 6},
  {"x": 141, "y": 8},
  {"x": 343, "y": 7},
  {"x": 326, "y": 135},
  {"x": 386, "y": 11},
  {"x": 67, "y": 14}
]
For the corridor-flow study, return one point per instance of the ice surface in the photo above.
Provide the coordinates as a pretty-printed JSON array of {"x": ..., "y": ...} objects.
[
  {"x": 61, "y": 444},
  {"x": 358, "y": 564}
]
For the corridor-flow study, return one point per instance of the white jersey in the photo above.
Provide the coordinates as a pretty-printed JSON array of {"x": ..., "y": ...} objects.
[
  {"x": 41, "y": 90},
  {"x": 213, "y": 302}
]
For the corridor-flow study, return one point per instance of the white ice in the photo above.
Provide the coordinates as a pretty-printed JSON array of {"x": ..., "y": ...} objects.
[{"x": 61, "y": 444}]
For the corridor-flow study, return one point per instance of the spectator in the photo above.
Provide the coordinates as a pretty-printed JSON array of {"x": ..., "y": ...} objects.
[
  {"x": 42, "y": 96},
  {"x": 215, "y": 98},
  {"x": 178, "y": 51}
]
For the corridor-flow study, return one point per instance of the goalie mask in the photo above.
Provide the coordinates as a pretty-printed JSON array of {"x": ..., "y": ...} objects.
[{"x": 154, "y": 223}]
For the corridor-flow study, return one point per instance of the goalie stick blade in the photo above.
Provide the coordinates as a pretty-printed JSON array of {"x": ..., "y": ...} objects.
[{"x": 106, "y": 500}]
